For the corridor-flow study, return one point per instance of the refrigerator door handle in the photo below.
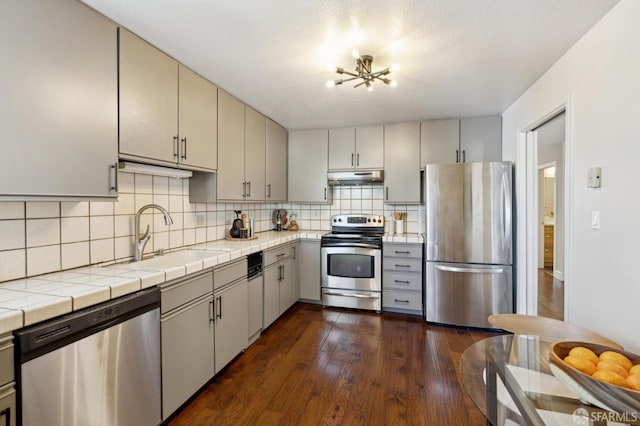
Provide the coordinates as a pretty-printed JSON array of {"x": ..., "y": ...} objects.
[
  {"x": 506, "y": 199},
  {"x": 470, "y": 270}
]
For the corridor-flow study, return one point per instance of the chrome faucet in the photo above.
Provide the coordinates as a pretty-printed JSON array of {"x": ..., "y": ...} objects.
[{"x": 141, "y": 241}]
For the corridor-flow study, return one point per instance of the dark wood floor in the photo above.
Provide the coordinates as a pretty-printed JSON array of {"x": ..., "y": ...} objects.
[
  {"x": 318, "y": 366},
  {"x": 550, "y": 295}
]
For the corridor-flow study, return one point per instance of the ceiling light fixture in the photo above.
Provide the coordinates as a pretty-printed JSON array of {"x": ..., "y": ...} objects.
[{"x": 364, "y": 72}]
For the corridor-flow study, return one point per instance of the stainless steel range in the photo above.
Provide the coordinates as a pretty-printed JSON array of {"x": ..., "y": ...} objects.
[{"x": 352, "y": 262}]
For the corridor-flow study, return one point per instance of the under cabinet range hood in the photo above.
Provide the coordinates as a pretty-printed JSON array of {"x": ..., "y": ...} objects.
[{"x": 355, "y": 177}]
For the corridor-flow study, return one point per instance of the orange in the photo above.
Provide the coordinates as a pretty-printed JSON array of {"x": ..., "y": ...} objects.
[
  {"x": 581, "y": 364},
  {"x": 635, "y": 369},
  {"x": 610, "y": 377},
  {"x": 583, "y": 352},
  {"x": 605, "y": 364},
  {"x": 634, "y": 381},
  {"x": 617, "y": 358}
]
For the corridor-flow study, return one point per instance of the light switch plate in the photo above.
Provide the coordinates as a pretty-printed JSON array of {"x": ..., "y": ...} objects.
[{"x": 594, "y": 177}]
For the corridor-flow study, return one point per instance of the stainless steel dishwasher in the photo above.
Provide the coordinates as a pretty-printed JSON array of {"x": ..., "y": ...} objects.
[{"x": 97, "y": 366}]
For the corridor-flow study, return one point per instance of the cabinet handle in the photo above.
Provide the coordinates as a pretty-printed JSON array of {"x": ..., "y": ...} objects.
[
  {"x": 114, "y": 167},
  {"x": 358, "y": 160},
  {"x": 294, "y": 252},
  {"x": 244, "y": 189},
  {"x": 268, "y": 190},
  {"x": 402, "y": 282},
  {"x": 211, "y": 313},
  {"x": 184, "y": 148},
  {"x": 403, "y": 266},
  {"x": 249, "y": 189},
  {"x": 464, "y": 155},
  {"x": 400, "y": 301},
  {"x": 7, "y": 415},
  {"x": 402, "y": 252},
  {"x": 219, "y": 314},
  {"x": 457, "y": 155},
  {"x": 325, "y": 193},
  {"x": 351, "y": 160},
  {"x": 387, "y": 193},
  {"x": 175, "y": 146},
  {"x": 280, "y": 255}
]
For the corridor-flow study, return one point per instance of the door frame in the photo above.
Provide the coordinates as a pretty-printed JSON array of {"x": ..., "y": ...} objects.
[
  {"x": 541, "y": 168},
  {"x": 527, "y": 206}
]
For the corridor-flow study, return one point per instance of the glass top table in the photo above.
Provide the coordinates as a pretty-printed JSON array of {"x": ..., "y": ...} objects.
[{"x": 509, "y": 379}]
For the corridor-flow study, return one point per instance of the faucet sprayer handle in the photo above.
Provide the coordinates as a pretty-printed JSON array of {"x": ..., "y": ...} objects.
[{"x": 146, "y": 235}]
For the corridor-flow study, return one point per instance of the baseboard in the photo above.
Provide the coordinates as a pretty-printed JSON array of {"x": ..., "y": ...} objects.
[{"x": 558, "y": 275}]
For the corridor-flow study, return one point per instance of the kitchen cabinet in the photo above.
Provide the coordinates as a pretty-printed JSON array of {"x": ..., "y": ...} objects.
[
  {"x": 187, "y": 331},
  {"x": 279, "y": 282},
  {"x": 310, "y": 275},
  {"x": 295, "y": 273},
  {"x": 356, "y": 148},
  {"x": 231, "y": 311},
  {"x": 276, "y": 167},
  {"x": 461, "y": 140},
  {"x": 59, "y": 109},
  {"x": 308, "y": 165},
  {"x": 168, "y": 113},
  {"x": 7, "y": 384},
  {"x": 255, "y": 291},
  {"x": 402, "y": 163},
  {"x": 402, "y": 278},
  {"x": 241, "y": 151}
]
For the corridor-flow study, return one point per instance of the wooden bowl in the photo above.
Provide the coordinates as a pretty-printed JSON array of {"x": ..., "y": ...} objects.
[{"x": 590, "y": 390}]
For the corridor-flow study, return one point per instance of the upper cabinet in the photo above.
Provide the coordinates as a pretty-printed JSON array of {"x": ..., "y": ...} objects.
[
  {"x": 276, "y": 166},
  {"x": 461, "y": 140},
  {"x": 402, "y": 163},
  {"x": 241, "y": 151},
  {"x": 308, "y": 166},
  {"x": 168, "y": 114},
  {"x": 59, "y": 109},
  {"x": 356, "y": 148}
]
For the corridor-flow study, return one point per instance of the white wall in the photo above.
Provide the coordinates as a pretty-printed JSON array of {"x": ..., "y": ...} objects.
[{"x": 601, "y": 76}]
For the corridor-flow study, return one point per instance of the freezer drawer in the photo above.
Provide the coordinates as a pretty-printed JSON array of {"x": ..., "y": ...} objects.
[{"x": 466, "y": 294}]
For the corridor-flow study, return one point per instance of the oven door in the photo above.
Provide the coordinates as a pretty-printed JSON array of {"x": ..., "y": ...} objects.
[{"x": 352, "y": 268}]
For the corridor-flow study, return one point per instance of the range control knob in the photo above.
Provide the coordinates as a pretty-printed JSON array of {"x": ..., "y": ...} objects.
[
  {"x": 340, "y": 220},
  {"x": 369, "y": 220},
  {"x": 335, "y": 220}
]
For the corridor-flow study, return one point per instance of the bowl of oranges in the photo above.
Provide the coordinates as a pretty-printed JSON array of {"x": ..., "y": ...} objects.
[{"x": 600, "y": 375}]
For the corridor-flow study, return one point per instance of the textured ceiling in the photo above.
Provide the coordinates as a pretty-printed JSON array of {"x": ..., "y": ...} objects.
[{"x": 456, "y": 57}]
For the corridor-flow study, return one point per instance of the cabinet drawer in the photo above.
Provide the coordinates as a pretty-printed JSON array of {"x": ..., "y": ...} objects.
[
  {"x": 402, "y": 281},
  {"x": 182, "y": 291},
  {"x": 279, "y": 253},
  {"x": 229, "y": 273},
  {"x": 402, "y": 265},
  {"x": 402, "y": 300},
  {"x": 403, "y": 250},
  {"x": 6, "y": 359}
]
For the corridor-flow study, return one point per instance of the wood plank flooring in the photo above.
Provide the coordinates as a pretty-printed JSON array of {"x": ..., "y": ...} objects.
[
  {"x": 318, "y": 366},
  {"x": 550, "y": 295}
]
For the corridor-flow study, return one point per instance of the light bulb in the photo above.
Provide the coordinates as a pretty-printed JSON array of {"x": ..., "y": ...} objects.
[
  {"x": 394, "y": 67},
  {"x": 393, "y": 83},
  {"x": 370, "y": 88},
  {"x": 330, "y": 83}
]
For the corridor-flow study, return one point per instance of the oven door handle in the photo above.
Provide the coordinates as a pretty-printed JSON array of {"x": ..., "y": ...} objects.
[
  {"x": 358, "y": 296},
  {"x": 356, "y": 245}
]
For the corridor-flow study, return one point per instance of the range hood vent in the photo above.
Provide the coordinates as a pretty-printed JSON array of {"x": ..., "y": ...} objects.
[{"x": 370, "y": 177}]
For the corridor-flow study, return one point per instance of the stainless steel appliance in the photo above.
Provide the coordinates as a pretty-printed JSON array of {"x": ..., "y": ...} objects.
[
  {"x": 352, "y": 262},
  {"x": 369, "y": 177},
  {"x": 469, "y": 242},
  {"x": 96, "y": 366}
]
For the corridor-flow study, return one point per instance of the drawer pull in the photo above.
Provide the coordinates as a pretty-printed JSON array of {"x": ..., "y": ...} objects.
[
  {"x": 280, "y": 255},
  {"x": 402, "y": 252},
  {"x": 403, "y": 266},
  {"x": 402, "y": 282},
  {"x": 400, "y": 301}
]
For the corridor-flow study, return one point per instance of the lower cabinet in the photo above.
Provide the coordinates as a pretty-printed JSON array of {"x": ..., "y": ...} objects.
[
  {"x": 309, "y": 276},
  {"x": 281, "y": 287},
  {"x": 402, "y": 278},
  {"x": 232, "y": 322},
  {"x": 255, "y": 291},
  {"x": 187, "y": 331},
  {"x": 7, "y": 384},
  {"x": 8, "y": 405}
]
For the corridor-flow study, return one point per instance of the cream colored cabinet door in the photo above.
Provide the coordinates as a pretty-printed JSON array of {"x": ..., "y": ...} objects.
[
  {"x": 272, "y": 278},
  {"x": 342, "y": 148},
  {"x": 402, "y": 163},
  {"x": 276, "y": 167},
  {"x": 231, "y": 183},
  {"x": 254, "y": 154},
  {"x": 369, "y": 147},
  {"x": 148, "y": 102},
  {"x": 231, "y": 307},
  {"x": 308, "y": 165},
  {"x": 310, "y": 274},
  {"x": 197, "y": 121},
  {"x": 439, "y": 141},
  {"x": 481, "y": 139},
  {"x": 59, "y": 108}
]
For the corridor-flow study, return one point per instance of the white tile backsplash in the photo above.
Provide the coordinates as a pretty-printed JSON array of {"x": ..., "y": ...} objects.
[
  {"x": 43, "y": 232},
  {"x": 102, "y": 250},
  {"x": 101, "y": 227},
  {"x": 12, "y": 235},
  {"x": 72, "y": 208},
  {"x": 74, "y": 229},
  {"x": 39, "y": 209},
  {"x": 41, "y": 260},
  {"x": 12, "y": 210},
  {"x": 160, "y": 185},
  {"x": 101, "y": 208},
  {"x": 12, "y": 264},
  {"x": 143, "y": 184},
  {"x": 74, "y": 255}
]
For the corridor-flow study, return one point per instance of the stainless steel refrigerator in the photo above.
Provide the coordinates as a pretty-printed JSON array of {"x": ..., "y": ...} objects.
[{"x": 469, "y": 241}]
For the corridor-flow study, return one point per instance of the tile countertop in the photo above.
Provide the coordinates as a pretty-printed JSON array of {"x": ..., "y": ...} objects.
[{"x": 28, "y": 301}]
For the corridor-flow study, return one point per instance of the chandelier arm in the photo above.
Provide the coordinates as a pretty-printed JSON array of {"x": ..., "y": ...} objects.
[
  {"x": 360, "y": 84},
  {"x": 349, "y": 73},
  {"x": 350, "y": 79}
]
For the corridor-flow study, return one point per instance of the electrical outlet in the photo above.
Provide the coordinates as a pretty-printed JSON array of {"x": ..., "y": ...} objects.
[{"x": 594, "y": 175}]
